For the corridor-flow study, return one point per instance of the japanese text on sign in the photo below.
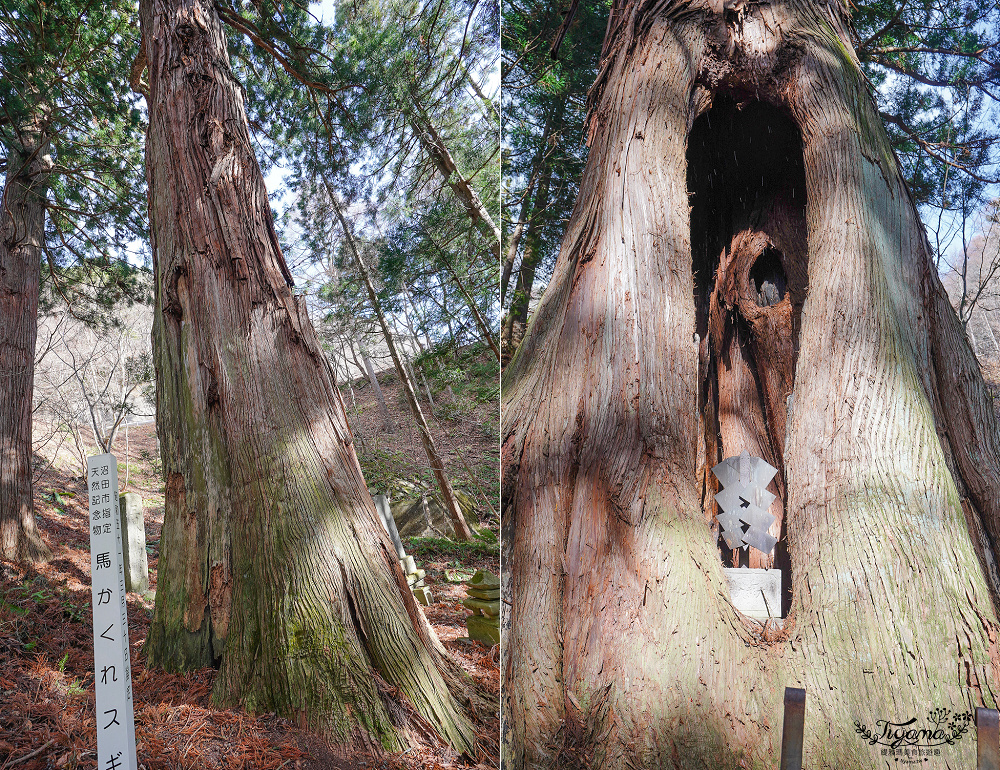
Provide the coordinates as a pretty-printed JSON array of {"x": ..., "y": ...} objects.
[{"x": 112, "y": 671}]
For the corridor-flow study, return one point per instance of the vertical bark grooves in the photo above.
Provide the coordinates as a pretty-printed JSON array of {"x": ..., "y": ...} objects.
[
  {"x": 965, "y": 413},
  {"x": 272, "y": 556},
  {"x": 609, "y": 561},
  {"x": 22, "y": 234},
  {"x": 622, "y": 641}
]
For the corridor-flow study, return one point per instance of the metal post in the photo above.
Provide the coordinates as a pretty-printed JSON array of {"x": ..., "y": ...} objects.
[
  {"x": 791, "y": 730},
  {"x": 987, "y": 739}
]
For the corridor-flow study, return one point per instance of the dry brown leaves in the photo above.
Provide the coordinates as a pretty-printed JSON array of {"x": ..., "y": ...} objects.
[{"x": 46, "y": 680}]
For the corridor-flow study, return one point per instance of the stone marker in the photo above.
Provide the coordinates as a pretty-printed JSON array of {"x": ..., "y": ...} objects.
[
  {"x": 385, "y": 514},
  {"x": 458, "y": 575},
  {"x": 487, "y": 608},
  {"x": 755, "y": 592},
  {"x": 490, "y": 594},
  {"x": 134, "y": 543},
  {"x": 424, "y": 515},
  {"x": 484, "y": 601},
  {"x": 414, "y": 576},
  {"x": 423, "y": 594}
]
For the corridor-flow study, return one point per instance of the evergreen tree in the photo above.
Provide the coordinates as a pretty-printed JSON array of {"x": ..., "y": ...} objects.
[
  {"x": 745, "y": 270},
  {"x": 273, "y": 563},
  {"x": 544, "y": 142},
  {"x": 933, "y": 70},
  {"x": 73, "y": 195}
]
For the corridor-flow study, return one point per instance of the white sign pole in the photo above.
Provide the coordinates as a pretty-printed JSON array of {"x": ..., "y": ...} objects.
[{"x": 112, "y": 668}]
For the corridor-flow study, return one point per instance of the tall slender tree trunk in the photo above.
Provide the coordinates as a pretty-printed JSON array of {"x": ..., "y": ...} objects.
[
  {"x": 420, "y": 348},
  {"x": 514, "y": 242},
  {"x": 462, "y": 531},
  {"x": 517, "y": 317},
  {"x": 435, "y": 146},
  {"x": 273, "y": 563},
  {"x": 524, "y": 215},
  {"x": 421, "y": 321},
  {"x": 427, "y": 388},
  {"x": 686, "y": 318},
  {"x": 481, "y": 324},
  {"x": 383, "y": 408},
  {"x": 359, "y": 364},
  {"x": 490, "y": 109},
  {"x": 22, "y": 234},
  {"x": 350, "y": 383},
  {"x": 409, "y": 322}
]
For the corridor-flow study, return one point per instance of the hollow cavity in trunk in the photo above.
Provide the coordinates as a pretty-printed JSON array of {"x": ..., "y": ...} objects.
[{"x": 747, "y": 191}]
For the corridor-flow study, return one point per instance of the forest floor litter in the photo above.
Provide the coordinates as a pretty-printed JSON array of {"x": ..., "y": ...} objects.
[{"x": 46, "y": 661}]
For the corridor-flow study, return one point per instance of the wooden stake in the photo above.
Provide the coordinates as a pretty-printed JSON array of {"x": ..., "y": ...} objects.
[{"x": 792, "y": 729}]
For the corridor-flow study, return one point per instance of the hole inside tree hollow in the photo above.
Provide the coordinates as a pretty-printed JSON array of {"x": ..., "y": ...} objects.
[
  {"x": 740, "y": 159},
  {"x": 747, "y": 192},
  {"x": 768, "y": 278}
]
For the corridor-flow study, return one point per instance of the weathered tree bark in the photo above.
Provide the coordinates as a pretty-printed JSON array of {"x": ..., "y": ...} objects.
[
  {"x": 273, "y": 563},
  {"x": 458, "y": 523},
  {"x": 782, "y": 299},
  {"x": 22, "y": 235}
]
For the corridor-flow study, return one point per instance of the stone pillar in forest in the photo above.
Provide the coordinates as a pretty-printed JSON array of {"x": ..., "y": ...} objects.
[
  {"x": 484, "y": 601},
  {"x": 134, "y": 543},
  {"x": 414, "y": 576}
]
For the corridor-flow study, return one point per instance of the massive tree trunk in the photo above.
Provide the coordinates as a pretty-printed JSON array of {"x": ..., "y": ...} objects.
[
  {"x": 744, "y": 269},
  {"x": 22, "y": 235},
  {"x": 273, "y": 563}
]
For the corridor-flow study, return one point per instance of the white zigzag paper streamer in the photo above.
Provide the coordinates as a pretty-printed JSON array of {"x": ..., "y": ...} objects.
[{"x": 744, "y": 499}]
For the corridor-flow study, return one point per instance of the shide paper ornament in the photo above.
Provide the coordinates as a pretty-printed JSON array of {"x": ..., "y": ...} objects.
[{"x": 744, "y": 499}]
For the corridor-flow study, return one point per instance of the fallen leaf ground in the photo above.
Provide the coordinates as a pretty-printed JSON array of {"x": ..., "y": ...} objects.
[{"x": 46, "y": 661}]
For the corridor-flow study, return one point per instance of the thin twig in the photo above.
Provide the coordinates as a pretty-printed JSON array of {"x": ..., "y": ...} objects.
[{"x": 32, "y": 755}]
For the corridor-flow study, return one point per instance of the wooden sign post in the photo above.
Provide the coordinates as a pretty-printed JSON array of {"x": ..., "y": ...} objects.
[{"x": 112, "y": 668}]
